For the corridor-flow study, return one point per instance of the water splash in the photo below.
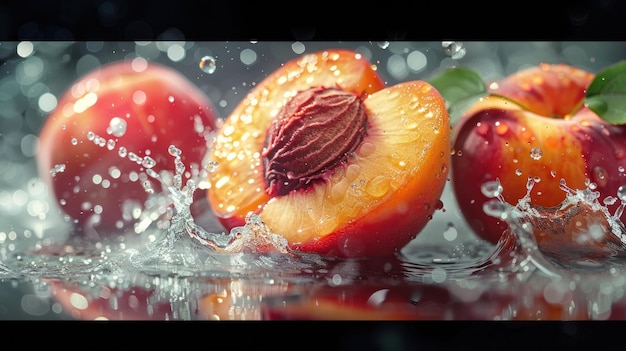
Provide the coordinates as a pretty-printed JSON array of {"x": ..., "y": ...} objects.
[
  {"x": 186, "y": 245},
  {"x": 579, "y": 234}
]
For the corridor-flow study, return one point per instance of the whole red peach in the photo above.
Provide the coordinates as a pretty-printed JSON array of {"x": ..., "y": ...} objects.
[
  {"x": 108, "y": 129},
  {"x": 534, "y": 124}
]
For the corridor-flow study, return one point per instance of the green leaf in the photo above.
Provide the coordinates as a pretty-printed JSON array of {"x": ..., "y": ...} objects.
[
  {"x": 606, "y": 96},
  {"x": 460, "y": 87}
]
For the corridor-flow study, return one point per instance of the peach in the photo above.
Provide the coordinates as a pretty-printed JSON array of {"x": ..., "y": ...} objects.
[
  {"x": 108, "y": 129},
  {"x": 534, "y": 124}
]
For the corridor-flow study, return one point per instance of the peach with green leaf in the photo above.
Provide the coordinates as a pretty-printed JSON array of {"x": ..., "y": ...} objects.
[{"x": 549, "y": 122}]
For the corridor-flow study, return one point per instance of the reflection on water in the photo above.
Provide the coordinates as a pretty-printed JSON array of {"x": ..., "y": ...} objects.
[
  {"x": 177, "y": 278},
  {"x": 190, "y": 269}
]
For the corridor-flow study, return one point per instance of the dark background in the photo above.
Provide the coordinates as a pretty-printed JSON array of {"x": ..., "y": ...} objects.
[
  {"x": 335, "y": 20},
  {"x": 383, "y": 20}
]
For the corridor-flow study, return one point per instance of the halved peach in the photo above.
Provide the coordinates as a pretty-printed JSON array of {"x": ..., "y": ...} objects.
[{"x": 331, "y": 159}]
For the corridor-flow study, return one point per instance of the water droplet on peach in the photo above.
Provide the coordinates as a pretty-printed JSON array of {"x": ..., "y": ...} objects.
[
  {"x": 352, "y": 172},
  {"x": 621, "y": 193},
  {"x": 536, "y": 153},
  {"x": 57, "y": 169},
  {"x": 501, "y": 128},
  {"x": 174, "y": 151},
  {"x": 482, "y": 129},
  {"x": 96, "y": 179},
  {"x": 600, "y": 176},
  {"x": 147, "y": 185},
  {"x": 122, "y": 151},
  {"x": 117, "y": 126},
  {"x": 114, "y": 172},
  {"x": 377, "y": 187},
  {"x": 148, "y": 162},
  {"x": 491, "y": 188}
]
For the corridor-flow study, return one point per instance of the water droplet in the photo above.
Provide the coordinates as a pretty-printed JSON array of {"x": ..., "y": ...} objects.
[
  {"x": 134, "y": 157},
  {"x": 600, "y": 176},
  {"x": 211, "y": 166},
  {"x": 148, "y": 162},
  {"x": 609, "y": 200},
  {"x": 530, "y": 183},
  {"x": 122, "y": 151},
  {"x": 57, "y": 169},
  {"x": 377, "y": 187},
  {"x": 74, "y": 141},
  {"x": 536, "y": 153},
  {"x": 110, "y": 144},
  {"x": 496, "y": 209},
  {"x": 198, "y": 125},
  {"x": 114, "y": 172},
  {"x": 207, "y": 64},
  {"x": 152, "y": 173},
  {"x": 621, "y": 193},
  {"x": 501, "y": 128},
  {"x": 117, "y": 126},
  {"x": 174, "y": 151},
  {"x": 518, "y": 172},
  {"x": 492, "y": 188},
  {"x": 454, "y": 49},
  {"x": 100, "y": 141},
  {"x": 147, "y": 185},
  {"x": 450, "y": 234},
  {"x": 180, "y": 166},
  {"x": 366, "y": 149},
  {"x": 383, "y": 44}
]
